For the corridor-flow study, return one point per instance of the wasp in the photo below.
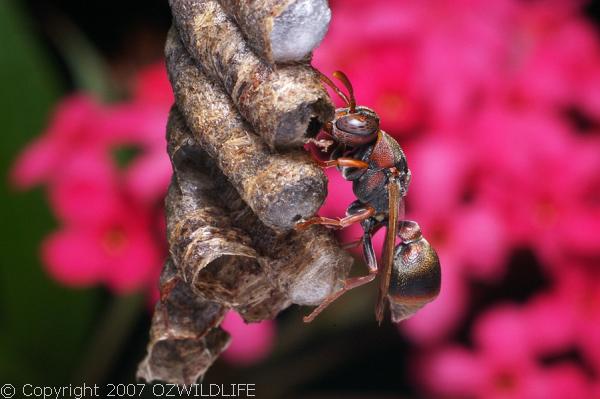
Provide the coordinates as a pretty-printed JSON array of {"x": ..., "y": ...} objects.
[{"x": 409, "y": 273}]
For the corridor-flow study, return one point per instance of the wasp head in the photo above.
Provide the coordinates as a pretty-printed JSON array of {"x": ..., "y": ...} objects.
[{"x": 352, "y": 126}]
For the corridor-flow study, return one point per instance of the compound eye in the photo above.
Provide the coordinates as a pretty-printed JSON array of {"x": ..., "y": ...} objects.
[{"x": 359, "y": 124}]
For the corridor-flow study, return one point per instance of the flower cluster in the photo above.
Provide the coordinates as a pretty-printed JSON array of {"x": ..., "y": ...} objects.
[
  {"x": 497, "y": 104},
  {"x": 105, "y": 171}
]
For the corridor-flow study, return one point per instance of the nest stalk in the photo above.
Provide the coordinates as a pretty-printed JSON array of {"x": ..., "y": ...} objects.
[{"x": 240, "y": 179}]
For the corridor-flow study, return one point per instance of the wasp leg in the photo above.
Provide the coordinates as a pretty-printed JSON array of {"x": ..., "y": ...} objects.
[
  {"x": 365, "y": 213},
  {"x": 344, "y": 162},
  {"x": 352, "y": 244},
  {"x": 349, "y": 284},
  {"x": 370, "y": 226}
]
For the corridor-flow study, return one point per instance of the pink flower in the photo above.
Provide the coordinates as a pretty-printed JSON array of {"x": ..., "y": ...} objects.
[
  {"x": 152, "y": 86},
  {"x": 441, "y": 169},
  {"x": 551, "y": 321},
  {"x": 502, "y": 365},
  {"x": 382, "y": 80},
  {"x": 441, "y": 317},
  {"x": 107, "y": 208},
  {"x": 488, "y": 99},
  {"x": 568, "y": 315},
  {"x": 83, "y": 190},
  {"x": 143, "y": 122},
  {"x": 72, "y": 127},
  {"x": 80, "y": 124},
  {"x": 148, "y": 176},
  {"x": 471, "y": 242},
  {"x": 405, "y": 51},
  {"x": 340, "y": 196},
  {"x": 250, "y": 343},
  {"x": 381, "y": 70},
  {"x": 543, "y": 180},
  {"x": 119, "y": 251},
  {"x": 555, "y": 54},
  {"x": 470, "y": 238}
]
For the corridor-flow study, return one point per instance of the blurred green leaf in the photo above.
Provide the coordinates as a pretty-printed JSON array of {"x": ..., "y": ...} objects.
[
  {"x": 125, "y": 154},
  {"x": 43, "y": 325},
  {"x": 110, "y": 336},
  {"x": 90, "y": 72}
]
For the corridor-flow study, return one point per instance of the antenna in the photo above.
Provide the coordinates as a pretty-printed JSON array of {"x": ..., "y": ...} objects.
[
  {"x": 334, "y": 87},
  {"x": 344, "y": 79}
]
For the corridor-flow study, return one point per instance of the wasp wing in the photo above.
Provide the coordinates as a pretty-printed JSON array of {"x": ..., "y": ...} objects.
[{"x": 396, "y": 206}]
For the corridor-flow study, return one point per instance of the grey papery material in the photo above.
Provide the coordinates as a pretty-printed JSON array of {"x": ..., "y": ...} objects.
[
  {"x": 184, "y": 337},
  {"x": 258, "y": 272},
  {"x": 285, "y": 105},
  {"x": 280, "y": 188},
  {"x": 281, "y": 31},
  {"x": 233, "y": 202}
]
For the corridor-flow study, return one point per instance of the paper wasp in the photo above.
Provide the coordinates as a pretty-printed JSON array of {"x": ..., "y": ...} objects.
[{"x": 409, "y": 273}]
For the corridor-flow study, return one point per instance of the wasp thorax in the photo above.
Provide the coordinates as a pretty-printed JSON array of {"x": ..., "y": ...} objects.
[{"x": 356, "y": 128}]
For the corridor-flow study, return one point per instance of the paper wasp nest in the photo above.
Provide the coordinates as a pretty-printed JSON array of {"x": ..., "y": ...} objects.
[{"x": 233, "y": 199}]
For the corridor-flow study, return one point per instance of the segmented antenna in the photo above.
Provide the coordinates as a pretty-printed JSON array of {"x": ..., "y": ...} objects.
[
  {"x": 330, "y": 83},
  {"x": 344, "y": 79}
]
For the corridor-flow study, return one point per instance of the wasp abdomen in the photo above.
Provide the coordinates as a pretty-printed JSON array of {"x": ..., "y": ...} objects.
[{"x": 416, "y": 274}]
